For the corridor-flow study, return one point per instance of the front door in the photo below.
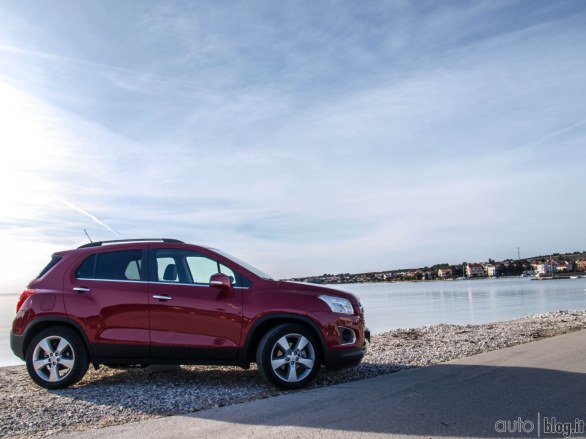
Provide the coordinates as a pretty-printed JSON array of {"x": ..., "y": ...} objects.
[{"x": 189, "y": 320}]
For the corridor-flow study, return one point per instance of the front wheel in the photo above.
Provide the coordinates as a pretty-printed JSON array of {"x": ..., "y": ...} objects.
[
  {"x": 288, "y": 356},
  {"x": 56, "y": 358}
]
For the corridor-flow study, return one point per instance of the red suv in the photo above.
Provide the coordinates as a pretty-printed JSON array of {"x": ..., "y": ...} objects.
[{"x": 162, "y": 301}]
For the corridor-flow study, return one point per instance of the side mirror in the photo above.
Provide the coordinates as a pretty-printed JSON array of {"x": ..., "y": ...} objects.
[{"x": 221, "y": 281}]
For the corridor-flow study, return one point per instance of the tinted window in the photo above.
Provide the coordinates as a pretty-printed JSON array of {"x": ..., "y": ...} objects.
[
  {"x": 87, "y": 269},
  {"x": 133, "y": 270},
  {"x": 120, "y": 265},
  {"x": 51, "y": 264}
]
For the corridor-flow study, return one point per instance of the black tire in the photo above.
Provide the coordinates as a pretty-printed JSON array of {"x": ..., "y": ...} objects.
[
  {"x": 288, "y": 356},
  {"x": 56, "y": 358}
]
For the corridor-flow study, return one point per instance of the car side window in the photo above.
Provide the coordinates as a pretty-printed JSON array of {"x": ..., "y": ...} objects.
[
  {"x": 230, "y": 273},
  {"x": 202, "y": 268},
  {"x": 118, "y": 265},
  {"x": 189, "y": 267},
  {"x": 133, "y": 270},
  {"x": 87, "y": 270},
  {"x": 167, "y": 270}
]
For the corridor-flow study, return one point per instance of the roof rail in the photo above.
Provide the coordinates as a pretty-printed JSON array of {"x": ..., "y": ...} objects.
[{"x": 117, "y": 241}]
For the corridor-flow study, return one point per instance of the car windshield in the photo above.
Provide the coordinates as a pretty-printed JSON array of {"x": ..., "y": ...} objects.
[{"x": 244, "y": 264}]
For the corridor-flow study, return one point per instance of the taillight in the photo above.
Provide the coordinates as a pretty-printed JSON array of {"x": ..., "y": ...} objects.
[{"x": 25, "y": 295}]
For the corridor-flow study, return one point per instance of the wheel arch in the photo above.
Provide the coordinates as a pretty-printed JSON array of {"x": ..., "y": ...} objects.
[
  {"x": 266, "y": 323},
  {"x": 43, "y": 323}
]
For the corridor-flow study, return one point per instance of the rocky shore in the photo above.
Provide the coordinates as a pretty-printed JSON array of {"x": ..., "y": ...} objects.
[{"x": 117, "y": 396}]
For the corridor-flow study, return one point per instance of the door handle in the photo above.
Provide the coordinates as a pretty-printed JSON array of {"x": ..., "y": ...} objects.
[
  {"x": 81, "y": 290},
  {"x": 162, "y": 297}
]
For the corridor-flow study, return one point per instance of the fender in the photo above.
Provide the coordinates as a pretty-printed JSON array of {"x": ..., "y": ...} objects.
[
  {"x": 45, "y": 322},
  {"x": 244, "y": 358}
]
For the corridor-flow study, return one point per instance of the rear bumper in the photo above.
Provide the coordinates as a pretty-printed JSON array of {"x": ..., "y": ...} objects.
[{"x": 17, "y": 344}]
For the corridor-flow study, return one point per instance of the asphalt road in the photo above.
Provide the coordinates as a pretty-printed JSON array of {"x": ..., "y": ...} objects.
[{"x": 496, "y": 394}]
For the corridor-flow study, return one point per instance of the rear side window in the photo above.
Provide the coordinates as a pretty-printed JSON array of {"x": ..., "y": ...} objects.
[
  {"x": 54, "y": 260},
  {"x": 119, "y": 265}
]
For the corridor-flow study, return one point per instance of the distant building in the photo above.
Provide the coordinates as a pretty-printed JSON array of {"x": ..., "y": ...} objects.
[
  {"x": 564, "y": 267},
  {"x": 490, "y": 270},
  {"x": 545, "y": 268},
  {"x": 580, "y": 265},
  {"x": 444, "y": 273},
  {"x": 475, "y": 270}
]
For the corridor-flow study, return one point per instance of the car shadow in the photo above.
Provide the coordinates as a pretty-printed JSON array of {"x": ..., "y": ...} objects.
[
  {"x": 165, "y": 391},
  {"x": 172, "y": 390}
]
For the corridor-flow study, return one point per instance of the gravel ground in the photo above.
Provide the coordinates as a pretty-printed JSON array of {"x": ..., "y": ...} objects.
[{"x": 112, "y": 396}]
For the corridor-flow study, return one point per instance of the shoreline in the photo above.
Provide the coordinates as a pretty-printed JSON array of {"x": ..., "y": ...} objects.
[{"x": 118, "y": 396}]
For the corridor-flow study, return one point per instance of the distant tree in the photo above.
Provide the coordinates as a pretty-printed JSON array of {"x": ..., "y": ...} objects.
[
  {"x": 515, "y": 268},
  {"x": 457, "y": 271}
]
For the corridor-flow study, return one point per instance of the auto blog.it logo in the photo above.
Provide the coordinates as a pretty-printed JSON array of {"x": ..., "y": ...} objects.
[{"x": 544, "y": 425}]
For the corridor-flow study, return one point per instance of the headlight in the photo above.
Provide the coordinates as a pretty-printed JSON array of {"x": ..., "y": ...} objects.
[{"x": 337, "y": 304}]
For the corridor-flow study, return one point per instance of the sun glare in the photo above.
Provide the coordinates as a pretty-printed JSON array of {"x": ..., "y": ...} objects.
[{"x": 30, "y": 152}]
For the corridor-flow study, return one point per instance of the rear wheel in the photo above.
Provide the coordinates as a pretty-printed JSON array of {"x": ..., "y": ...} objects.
[
  {"x": 56, "y": 358},
  {"x": 288, "y": 356}
]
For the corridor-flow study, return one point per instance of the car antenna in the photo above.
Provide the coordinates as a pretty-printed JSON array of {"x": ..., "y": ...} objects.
[{"x": 87, "y": 234}]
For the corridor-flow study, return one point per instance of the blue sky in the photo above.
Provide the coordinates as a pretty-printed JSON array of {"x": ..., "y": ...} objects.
[{"x": 305, "y": 137}]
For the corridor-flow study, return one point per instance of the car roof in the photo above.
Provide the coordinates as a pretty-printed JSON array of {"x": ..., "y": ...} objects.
[{"x": 128, "y": 241}]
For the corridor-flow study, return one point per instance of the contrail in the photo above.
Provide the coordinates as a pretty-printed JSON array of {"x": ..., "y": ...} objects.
[
  {"x": 133, "y": 74},
  {"x": 562, "y": 131},
  {"x": 89, "y": 215}
]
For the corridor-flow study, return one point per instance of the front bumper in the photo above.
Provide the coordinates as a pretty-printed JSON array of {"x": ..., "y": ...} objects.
[{"x": 343, "y": 358}]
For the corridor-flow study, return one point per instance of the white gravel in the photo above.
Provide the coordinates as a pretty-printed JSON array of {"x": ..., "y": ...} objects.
[{"x": 110, "y": 396}]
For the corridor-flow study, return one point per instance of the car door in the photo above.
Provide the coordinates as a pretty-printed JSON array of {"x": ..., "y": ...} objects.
[
  {"x": 108, "y": 295},
  {"x": 189, "y": 319}
]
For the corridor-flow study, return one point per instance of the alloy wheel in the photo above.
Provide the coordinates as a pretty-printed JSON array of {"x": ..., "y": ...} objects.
[{"x": 53, "y": 358}]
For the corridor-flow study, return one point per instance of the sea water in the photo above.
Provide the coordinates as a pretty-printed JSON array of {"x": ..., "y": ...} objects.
[{"x": 412, "y": 304}]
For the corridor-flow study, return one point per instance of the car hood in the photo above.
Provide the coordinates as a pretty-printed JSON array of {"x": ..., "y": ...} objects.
[{"x": 307, "y": 288}]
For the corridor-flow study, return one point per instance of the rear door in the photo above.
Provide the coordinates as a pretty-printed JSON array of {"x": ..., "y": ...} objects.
[
  {"x": 189, "y": 320},
  {"x": 108, "y": 294}
]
